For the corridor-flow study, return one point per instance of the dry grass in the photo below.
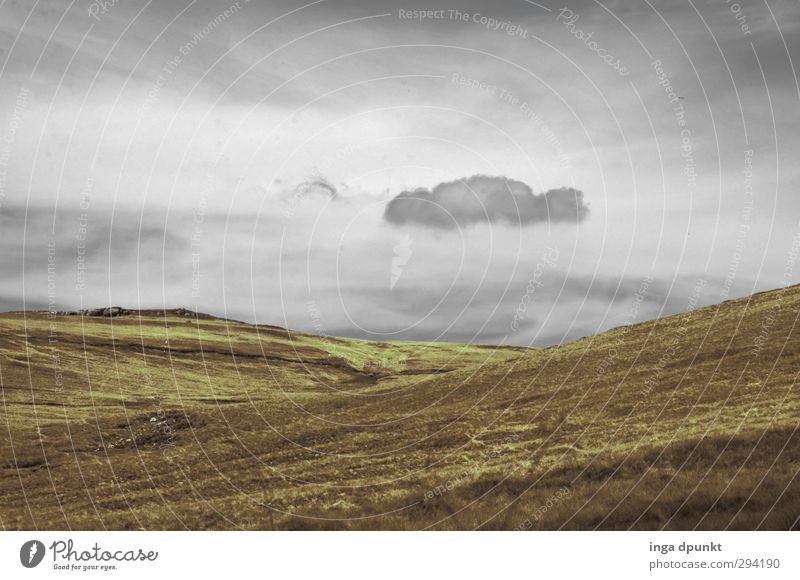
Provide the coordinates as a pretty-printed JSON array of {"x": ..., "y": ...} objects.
[{"x": 155, "y": 421}]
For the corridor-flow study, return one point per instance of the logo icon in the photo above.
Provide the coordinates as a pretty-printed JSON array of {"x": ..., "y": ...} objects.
[
  {"x": 31, "y": 553},
  {"x": 402, "y": 254}
]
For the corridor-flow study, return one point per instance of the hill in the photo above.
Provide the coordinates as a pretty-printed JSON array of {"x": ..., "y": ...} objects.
[{"x": 171, "y": 420}]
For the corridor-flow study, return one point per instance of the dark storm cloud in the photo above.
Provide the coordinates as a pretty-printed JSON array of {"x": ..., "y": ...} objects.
[{"x": 483, "y": 198}]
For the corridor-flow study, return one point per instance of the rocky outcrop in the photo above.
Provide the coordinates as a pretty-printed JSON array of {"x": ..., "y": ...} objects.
[{"x": 108, "y": 312}]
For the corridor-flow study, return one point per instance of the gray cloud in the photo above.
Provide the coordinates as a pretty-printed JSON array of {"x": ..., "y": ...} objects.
[
  {"x": 483, "y": 198},
  {"x": 281, "y": 107},
  {"x": 318, "y": 185},
  {"x": 567, "y": 307},
  {"x": 147, "y": 260}
]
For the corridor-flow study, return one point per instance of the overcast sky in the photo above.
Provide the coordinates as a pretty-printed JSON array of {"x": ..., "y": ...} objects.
[{"x": 510, "y": 172}]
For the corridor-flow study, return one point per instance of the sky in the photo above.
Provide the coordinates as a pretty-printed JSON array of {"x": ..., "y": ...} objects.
[{"x": 507, "y": 172}]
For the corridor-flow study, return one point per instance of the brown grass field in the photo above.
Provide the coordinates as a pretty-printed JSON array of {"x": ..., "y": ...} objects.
[{"x": 168, "y": 420}]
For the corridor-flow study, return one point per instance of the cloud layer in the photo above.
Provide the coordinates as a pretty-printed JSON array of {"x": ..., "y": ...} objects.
[{"x": 484, "y": 199}]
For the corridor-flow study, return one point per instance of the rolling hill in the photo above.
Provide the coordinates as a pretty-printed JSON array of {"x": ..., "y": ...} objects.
[{"x": 175, "y": 420}]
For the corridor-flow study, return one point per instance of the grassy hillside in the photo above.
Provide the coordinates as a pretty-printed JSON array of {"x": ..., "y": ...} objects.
[{"x": 161, "y": 420}]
